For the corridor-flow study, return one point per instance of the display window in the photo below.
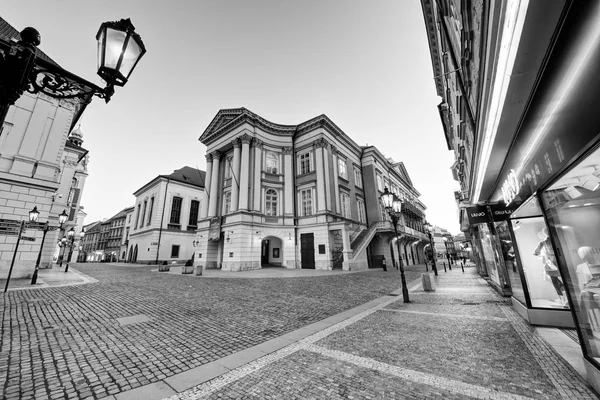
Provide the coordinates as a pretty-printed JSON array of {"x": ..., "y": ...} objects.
[
  {"x": 490, "y": 255},
  {"x": 511, "y": 261},
  {"x": 572, "y": 206}
]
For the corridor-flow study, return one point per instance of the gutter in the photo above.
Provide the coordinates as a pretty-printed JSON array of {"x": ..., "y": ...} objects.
[{"x": 161, "y": 220}]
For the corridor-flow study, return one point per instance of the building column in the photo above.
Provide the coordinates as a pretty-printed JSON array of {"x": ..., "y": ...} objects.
[
  {"x": 336, "y": 182},
  {"x": 256, "y": 203},
  {"x": 214, "y": 185},
  {"x": 320, "y": 146},
  {"x": 235, "y": 179},
  {"x": 347, "y": 250},
  {"x": 207, "y": 183},
  {"x": 288, "y": 185},
  {"x": 245, "y": 171}
]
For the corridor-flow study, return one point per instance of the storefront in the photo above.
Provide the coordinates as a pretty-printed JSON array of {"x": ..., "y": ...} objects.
[{"x": 550, "y": 245}]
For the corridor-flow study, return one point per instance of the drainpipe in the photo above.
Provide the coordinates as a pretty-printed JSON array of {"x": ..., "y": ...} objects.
[
  {"x": 295, "y": 196},
  {"x": 161, "y": 220}
]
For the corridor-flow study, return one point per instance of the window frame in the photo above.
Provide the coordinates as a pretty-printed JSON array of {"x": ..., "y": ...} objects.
[
  {"x": 174, "y": 210},
  {"x": 226, "y": 202},
  {"x": 274, "y": 203},
  {"x": 274, "y": 157},
  {"x": 150, "y": 211},
  {"x": 175, "y": 254},
  {"x": 345, "y": 205},
  {"x": 193, "y": 221},
  {"x": 303, "y": 157},
  {"x": 310, "y": 190},
  {"x": 357, "y": 177},
  {"x": 342, "y": 166}
]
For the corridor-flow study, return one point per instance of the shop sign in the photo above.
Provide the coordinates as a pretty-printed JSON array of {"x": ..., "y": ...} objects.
[
  {"x": 500, "y": 212},
  {"x": 510, "y": 187},
  {"x": 214, "y": 232},
  {"x": 478, "y": 215}
]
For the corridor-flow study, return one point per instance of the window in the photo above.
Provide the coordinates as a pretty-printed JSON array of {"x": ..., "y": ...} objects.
[
  {"x": 345, "y": 201},
  {"x": 144, "y": 213},
  {"x": 137, "y": 217},
  {"x": 379, "y": 183},
  {"x": 357, "y": 177},
  {"x": 194, "y": 213},
  {"x": 175, "y": 251},
  {"x": 304, "y": 162},
  {"x": 129, "y": 220},
  {"x": 272, "y": 162},
  {"x": 271, "y": 202},
  {"x": 227, "y": 203},
  {"x": 176, "y": 210},
  {"x": 362, "y": 216},
  {"x": 342, "y": 172},
  {"x": 150, "y": 210},
  {"x": 306, "y": 202},
  {"x": 228, "y": 167}
]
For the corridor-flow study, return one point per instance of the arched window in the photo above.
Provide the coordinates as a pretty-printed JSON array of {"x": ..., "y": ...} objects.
[{"x": 271, "y": 202}]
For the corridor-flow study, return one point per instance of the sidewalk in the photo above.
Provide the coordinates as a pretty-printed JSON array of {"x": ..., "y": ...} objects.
[
  {"x": 461, "y": 341},
  {"x": 50, "y": 277}
]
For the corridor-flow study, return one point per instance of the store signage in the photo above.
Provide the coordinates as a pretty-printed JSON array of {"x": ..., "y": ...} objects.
[
  {"x": 500, "y": 212},
  {"x": 154, "y": 244},
  {"x": 478, "y": 215},
  {"x": 510, "y": 187}
]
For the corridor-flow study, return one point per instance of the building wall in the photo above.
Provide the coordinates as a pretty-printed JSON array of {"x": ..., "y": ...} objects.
[{"x": 32, "y": 143}]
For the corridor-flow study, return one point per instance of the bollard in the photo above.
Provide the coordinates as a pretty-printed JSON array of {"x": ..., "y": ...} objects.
[
  {"x": 462, "y": 266},
  {"x": 445, "y": 266},
  {"x": 450, "y": 264}
]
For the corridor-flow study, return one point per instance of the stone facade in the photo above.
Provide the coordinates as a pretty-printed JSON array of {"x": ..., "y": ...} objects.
[{"x": 292, "y": 196}]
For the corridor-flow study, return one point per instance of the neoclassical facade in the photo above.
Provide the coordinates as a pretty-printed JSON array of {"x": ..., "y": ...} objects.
[{"x": 283, "y": 195}]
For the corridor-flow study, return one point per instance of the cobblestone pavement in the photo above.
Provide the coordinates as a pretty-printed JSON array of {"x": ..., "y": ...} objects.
[
  {"x": 70, "y": 342},
  {"x": 463, "y": 341}
]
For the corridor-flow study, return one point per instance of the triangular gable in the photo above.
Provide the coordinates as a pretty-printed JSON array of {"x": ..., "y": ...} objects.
[
  {"x": 401, "y": 169},
  {"x": 223, "y": 118}
]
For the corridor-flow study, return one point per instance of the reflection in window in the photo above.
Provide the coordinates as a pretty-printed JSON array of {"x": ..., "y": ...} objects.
[{"x": 572, "y": 206}]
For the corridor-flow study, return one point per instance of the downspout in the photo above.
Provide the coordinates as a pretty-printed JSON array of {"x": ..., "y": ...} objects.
[
  {"x": 295, "y": 195},
  {"x": 161, "y": 221}
]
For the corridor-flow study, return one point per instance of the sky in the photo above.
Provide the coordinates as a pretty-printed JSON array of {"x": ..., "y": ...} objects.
[{"x": 364, "y": 64}]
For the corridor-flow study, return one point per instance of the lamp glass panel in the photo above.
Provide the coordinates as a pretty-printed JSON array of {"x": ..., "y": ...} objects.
[
  {"x": 397, "y": 206},
  {"x": 114, "y": 47},
  {"x": 387, "y": 199},
  {"x": 34, "y": 214},
  {"x": 130, "y": 57},
  {"x": 100, "y": 48}
]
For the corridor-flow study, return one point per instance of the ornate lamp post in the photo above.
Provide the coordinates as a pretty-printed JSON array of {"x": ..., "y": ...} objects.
[
  {"x": 429, "y": 229},
  {"x": 393, "y": 206},
  {"x": 69, "y": 243},
  {"x": 62, "y": 218},
  {"x": 119, "y": 50},
  {"x": 33, "y": 216}
]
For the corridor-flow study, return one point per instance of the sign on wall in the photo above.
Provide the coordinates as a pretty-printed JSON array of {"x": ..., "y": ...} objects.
[{"x": 214, "y": 232}]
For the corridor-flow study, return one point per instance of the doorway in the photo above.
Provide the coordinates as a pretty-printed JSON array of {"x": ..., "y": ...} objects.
[
  {"x": 264, "y": 252},
  {"x": 307, "y": 250}
]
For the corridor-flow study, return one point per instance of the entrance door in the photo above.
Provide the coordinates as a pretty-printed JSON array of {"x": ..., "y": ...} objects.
[
  {"x": 307, "y": 250},
  {"x": 264, "y": 253}
]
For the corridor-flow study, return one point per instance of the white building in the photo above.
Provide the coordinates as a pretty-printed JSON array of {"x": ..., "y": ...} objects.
[{"x": 165, "y": 217}]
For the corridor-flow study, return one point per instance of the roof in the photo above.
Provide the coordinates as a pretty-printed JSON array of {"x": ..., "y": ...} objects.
[
  {"x": 7, "y": 32},
  {"x": 91, "y": 225},
  {"x": 189, "y": 175}
]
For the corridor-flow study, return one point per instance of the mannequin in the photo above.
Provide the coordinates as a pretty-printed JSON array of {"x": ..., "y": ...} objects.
[{"x": 546, "y": 253}]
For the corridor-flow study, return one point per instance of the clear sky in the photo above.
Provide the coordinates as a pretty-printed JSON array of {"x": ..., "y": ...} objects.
[{"x": 365, "y": 64}]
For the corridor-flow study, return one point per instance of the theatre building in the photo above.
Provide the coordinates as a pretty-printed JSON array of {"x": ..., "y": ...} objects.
[{"x": 293, "y": 196}]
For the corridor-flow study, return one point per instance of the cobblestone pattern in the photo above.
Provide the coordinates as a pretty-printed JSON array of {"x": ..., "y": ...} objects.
[
  {"x": 472, "y": 351},
  {"x": 568, "y": 382},
  {"x": 395, "y": 351},
  {"x": 309, "y": 375},
  {"x": 65, "y": 342}
]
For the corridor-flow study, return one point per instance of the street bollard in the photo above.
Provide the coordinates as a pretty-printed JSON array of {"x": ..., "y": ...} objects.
[
  {"x": 445, "y": 266},
  {"x": 462, "y": 266},
  {"x": 450, "y": 264}
]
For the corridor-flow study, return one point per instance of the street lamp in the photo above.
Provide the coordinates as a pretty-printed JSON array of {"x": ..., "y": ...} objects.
[
  {"x": 429, "y": 229},
  {"x": 393, "y": 206},
  {"x": 62, "y": 218},
  {"x": 10, "y": 226},
  {"x": 69, "y": 242},
  {"x": 448, "y": 253},
  {"x": 119, "y": 50}
]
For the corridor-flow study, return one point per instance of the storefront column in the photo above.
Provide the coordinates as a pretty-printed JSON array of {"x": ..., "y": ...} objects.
[
  {"x": 256, "y": 203},
  {"x": 336, "y": 182},
  {"x": 288, "y": 185},
  {"x": 207, "y": 183},
  {"x": 347, "y": 250},
  {"x": 235, "y": 179},
  {"x": 245, "y": 171},
  {"x": 320, "y": 146},
  {"x": 214, "y": 185}
]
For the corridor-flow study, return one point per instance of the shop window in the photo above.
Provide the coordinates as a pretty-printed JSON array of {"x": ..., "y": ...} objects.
[{"x": 572, "y": 206}]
